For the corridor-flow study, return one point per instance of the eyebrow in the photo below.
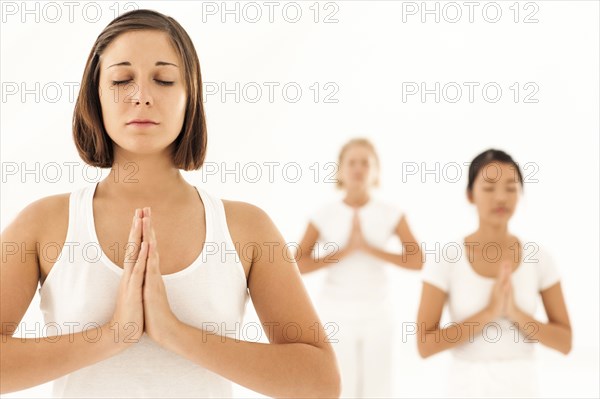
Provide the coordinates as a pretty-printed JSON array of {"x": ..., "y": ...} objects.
[{"x": 158, "y": 63}]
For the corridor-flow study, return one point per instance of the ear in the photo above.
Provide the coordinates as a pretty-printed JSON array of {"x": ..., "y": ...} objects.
[
  {"x": 470, "y": 196},
  {"x": 376, "y": 182},
  {"x": 338, "y": 184}
]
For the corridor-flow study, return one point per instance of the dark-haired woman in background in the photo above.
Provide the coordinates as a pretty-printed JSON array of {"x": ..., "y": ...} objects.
[
  {"x": 130, "y": 324},
  {"x": 492, "y": 283}
]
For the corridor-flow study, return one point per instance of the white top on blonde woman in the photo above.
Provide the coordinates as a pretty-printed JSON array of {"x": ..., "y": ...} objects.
[{"x": 358, "y": 277}]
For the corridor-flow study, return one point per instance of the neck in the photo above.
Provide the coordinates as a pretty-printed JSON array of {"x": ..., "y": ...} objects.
[
  {"x": 143, "y": 179},
  {"x": 497, "y": 233},
  {"x": 358, "y": 197}
]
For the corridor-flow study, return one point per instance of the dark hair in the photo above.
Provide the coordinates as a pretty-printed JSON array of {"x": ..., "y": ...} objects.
[
  {"x": 487, "y": 157},
  {"x": 92, "y": 142}
]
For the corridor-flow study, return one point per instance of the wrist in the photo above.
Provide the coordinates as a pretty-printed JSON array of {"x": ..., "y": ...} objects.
[
  {"x": 169, "y": 334},
  {"x": 342, "y": 253},
  {"x": 515, "y": 314},
  {"x": 112, "y": 340},
  {"x": 489, "y": 314}
]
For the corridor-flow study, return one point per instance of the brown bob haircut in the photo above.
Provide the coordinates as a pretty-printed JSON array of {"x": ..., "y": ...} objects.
[{"x": 92, "y": 142}]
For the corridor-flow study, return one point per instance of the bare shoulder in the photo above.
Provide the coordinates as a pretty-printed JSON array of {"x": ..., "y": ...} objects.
[
  {"x": 53, "y": 203},
  {"x": 250, "y": 227},
  {"x": 43, "y": 221},
  {"x": 46, "y": 212},
  {"x": 245, "y": 217},
  {"x": 54, "y": 210}
]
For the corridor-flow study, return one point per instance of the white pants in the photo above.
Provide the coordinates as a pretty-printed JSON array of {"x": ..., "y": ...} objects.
[
  {"x": 361, "y": 334},
  {"x": 516, "y": 378}
]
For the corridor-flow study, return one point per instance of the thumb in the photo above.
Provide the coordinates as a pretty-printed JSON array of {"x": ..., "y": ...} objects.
[
  {"x": 501, "y": 273},
  {"x": 506, "y": 287},
  {"x": 505, "y": 267}
]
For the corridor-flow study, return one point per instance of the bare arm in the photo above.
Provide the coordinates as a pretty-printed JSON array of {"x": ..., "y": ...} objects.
[
  {"x": 298, "y": 361},
  {"x": 410, "y": 258},
  {"x": 28, "y": 362},
  {"x": 555, "y": 334},
  {"x": 306, "y": 262},
  {"x": 433, "y": 339}
]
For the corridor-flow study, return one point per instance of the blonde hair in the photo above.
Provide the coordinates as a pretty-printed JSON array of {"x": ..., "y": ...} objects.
[{"x": 357, "y": 142}]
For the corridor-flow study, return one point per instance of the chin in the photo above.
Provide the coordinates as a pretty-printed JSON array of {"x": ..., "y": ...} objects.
[
  {"x": 145, "y": 148},
  {"x": 358, "y": 185},
  {"x": 499, "y": 219}
]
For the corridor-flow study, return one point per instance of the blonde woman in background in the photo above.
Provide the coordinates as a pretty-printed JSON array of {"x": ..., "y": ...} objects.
[{"x": 355, "y": 297}]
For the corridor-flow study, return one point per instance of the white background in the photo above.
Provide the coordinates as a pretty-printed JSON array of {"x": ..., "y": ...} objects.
[{"x": 367, "y": 55}]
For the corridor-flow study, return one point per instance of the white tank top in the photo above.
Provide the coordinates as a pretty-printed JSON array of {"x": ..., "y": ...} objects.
[
  {"x": 81, "y": 290},
  {"x": 359, "y": 277}
]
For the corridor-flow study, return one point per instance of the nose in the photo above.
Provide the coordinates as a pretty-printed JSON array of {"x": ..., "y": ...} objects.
[
  {"x": 143, "y": 95},
  {"x": 500, "y": 196}
]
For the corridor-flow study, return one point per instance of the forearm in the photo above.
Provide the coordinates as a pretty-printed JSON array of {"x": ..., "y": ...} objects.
[
  {"x": 275, "y": 370},
  {"x": 555, "y": 336},
  {"x": 308, "y": 263},
  {"x": 407, "y": 259},
  {"x": 25, "y": 363},
  {"x": 433, "y": 340}
]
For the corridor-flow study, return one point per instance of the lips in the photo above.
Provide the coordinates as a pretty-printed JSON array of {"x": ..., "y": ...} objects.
[{"x": 142, "y": 122}]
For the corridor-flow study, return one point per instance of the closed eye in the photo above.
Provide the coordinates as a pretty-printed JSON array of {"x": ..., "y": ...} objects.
[
  {"x": 160, "y": 82},
  {"x": 120, "y": 82}
]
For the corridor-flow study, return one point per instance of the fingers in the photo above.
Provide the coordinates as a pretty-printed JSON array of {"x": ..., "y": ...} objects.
[
  {"x": 504, "y": 272},
  {"x": 506, "y": 287},
  {"x": 152, "y": 265},
  {"x": 506, "y": 282},
  {"x": 137, "y": 275},
  {"x": 507, "y": 271},
  {"x": 133, "y": 242},
  {"x": 356, "y": 220},
  {"x": 148, "y": 229}
]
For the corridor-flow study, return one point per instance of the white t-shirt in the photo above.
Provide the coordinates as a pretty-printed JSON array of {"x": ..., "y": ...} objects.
[
  {"x": 358, "y": 277},
  {"x": 469, "y": 293}
]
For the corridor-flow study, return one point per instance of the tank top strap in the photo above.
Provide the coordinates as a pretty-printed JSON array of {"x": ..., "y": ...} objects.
[
  {"x": 77, "y": 213},
  {"x": 215, "y": 210},
  {"x": 221, "y": 236}
]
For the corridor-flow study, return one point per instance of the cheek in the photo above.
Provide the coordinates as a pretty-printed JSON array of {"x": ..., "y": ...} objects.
[
  {"x": 483, "y": 202},
  {"x": 177, "y": 103},
  {"x": 105, "y": 105},
  {"x": 178, "y": 100},
  {"x": 108, "y": 102},
  {"x": 111, "y": 110},
  {"x": 483, "y": 205}
]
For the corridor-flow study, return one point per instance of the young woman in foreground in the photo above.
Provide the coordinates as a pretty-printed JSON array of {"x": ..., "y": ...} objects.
[
  {"x": 492, "y": 283},
  {"x": 356, "y": 296},
  {"x": 133, "y": 323}
]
